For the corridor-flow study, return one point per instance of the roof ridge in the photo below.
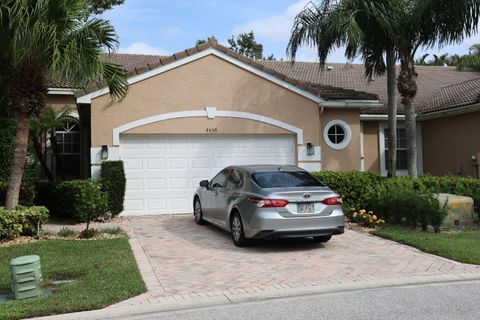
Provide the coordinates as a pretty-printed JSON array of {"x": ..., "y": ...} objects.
[{"x": 460, "y": 83}]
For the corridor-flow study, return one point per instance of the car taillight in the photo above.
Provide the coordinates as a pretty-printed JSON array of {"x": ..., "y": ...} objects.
[
  {"x": 268, "y": 203},
  {"x": 333, "y": 201}
]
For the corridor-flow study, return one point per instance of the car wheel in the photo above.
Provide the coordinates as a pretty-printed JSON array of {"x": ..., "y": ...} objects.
[
  {"x": 236, "y": 227},
  {"x": 322, "y": 239},
  {"x": 197, "y": 212}
]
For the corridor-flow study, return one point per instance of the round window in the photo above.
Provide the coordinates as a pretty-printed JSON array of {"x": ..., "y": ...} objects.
[{"x": 337, "y": 134}]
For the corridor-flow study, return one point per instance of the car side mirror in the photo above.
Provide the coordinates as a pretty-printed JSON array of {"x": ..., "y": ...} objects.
[{"x": 204, "y": 183}]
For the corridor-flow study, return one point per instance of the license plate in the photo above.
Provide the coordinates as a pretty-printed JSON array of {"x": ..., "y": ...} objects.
[{"x": 305, "y": 208}]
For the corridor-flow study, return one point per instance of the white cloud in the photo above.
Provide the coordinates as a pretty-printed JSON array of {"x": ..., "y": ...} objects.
[
  {"x": 274, "y": 28},
  {"x": 143, "y": 48},
  {"x": 171, "y": 32}
]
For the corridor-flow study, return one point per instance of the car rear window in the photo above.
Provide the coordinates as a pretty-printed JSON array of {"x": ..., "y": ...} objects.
[{"x": 285, "y": 179}]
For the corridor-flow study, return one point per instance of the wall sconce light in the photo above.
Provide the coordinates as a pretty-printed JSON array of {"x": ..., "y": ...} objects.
[
  {"x": 474, "y": 157},
  {"x": 310, "y": 149},
  {"x": 104, "y": 152}
]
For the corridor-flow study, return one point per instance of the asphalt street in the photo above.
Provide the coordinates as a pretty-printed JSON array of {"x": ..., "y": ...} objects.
[{"x": 452, "y": 301}]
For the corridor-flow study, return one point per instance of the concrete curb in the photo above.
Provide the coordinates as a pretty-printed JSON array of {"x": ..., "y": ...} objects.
[{"x": 136, "y": 310}]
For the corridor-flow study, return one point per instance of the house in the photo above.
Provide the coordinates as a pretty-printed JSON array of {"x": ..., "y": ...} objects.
[{"x": 188, "y": 115}]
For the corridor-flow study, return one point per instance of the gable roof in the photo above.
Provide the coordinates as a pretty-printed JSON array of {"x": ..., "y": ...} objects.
[
  {"x": 431, "y": 82},
  {"x": 439, "y": 88},
  {"x": 138, "y": 65}
]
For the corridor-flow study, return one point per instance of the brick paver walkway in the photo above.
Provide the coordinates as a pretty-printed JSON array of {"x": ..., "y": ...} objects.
[{"x": 180, "y": 260}]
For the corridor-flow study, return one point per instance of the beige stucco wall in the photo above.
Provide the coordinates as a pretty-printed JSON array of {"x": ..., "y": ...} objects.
[
  {"x": 207, "y": 82},
  {"x": 348, "y": 158},
  {"x": 449, "y": 143},
  {"x": 371, "y": 146},
  {"x": 58, "y": 102}
]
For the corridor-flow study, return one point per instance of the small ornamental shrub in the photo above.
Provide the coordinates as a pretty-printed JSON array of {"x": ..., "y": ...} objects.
[
  {"x": 67, "y": 233},
  {"x": 113, "y": 182},
  {"x": 23, "y": 221},
  {"x": 353, "y": 186},
  {"x": 81, "y": 200},
  {"x": 364, "y": 218}
]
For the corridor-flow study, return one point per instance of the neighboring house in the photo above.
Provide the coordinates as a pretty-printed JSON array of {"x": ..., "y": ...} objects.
[{"x": 188, "y": 115}]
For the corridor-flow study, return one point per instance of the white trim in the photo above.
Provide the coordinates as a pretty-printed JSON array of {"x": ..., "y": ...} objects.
[
  {"x": 96, "y": 161},
  {"x": 61, "y": 91},
  {"x": 310, "y": 166},
  {"x": 348, "y": 134},
  {"x": 303, "y": 155},
  {"x": 363, "y": 104},
  {"x": 203, "y": 113},
  {"x": 362, "y": 149},
  {"x": 379, "y": 117},
  {"x": 211, "y": 51},
  {"x": 381, "y": 137}
]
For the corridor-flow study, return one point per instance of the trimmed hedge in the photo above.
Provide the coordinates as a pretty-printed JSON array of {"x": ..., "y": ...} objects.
[
  {"x": 23, "y": 221},
  {"x": 353, "y": 186},
  {"x": 28, "y": 191},
  {"x": 80, "y": 200},
  {"x": 113, "y": 183},
  {"x": 409, "y": 201}
]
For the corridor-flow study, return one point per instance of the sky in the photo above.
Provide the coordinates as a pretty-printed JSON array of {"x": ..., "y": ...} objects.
[{"x": 168, "y": 26}]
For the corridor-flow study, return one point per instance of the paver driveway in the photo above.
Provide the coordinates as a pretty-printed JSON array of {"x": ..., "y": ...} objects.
[{"x": 180, "y": 258}]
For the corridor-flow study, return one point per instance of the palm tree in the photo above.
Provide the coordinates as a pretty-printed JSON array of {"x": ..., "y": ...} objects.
[
  {"x": 425, "y": 23},
  {"x": 40, "y": 39},
  {"x": 365, "y": 28}
]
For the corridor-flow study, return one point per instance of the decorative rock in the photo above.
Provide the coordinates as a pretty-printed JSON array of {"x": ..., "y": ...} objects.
[{"x": 459, "y": 209}]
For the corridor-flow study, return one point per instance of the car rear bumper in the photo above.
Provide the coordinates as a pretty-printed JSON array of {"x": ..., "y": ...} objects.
[
  {"x": 298, "y": 233},
  {"x": 271, "y": 224}
]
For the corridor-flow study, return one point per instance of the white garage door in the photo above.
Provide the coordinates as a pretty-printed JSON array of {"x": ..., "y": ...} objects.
[{"x": 163, "y": 171}]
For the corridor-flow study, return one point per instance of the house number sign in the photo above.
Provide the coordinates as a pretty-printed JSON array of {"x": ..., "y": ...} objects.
[{"x": 211, "y": 130}]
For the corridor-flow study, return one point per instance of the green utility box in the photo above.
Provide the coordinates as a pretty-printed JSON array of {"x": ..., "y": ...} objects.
[{"x": 26, "y": 277}]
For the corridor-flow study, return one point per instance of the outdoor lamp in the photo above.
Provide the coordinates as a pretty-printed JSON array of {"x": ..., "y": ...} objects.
[
  {"x": 310, "y": 149},
  {"x": 104, "y": 152}
]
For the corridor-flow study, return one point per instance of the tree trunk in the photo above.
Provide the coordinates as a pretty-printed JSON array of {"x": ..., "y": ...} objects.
[
  {"x": 407, "y": 86},
  {"x": 392, "y": 112},
  {"x": 411, "y": 134},
  {"x": 37, "y": 145},
  {"x": 18, "y": 163}
]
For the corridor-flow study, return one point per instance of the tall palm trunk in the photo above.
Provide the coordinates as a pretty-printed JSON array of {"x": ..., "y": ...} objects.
[
  {"x": 18, "y": 163},
  {"x": 392, "y": 112},
  {"x": 407, "y": 86}
]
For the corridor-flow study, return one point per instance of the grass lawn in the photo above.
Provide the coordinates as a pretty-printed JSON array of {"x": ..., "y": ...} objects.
[
  {"x": 460, "y": 246},
  {"x": 105, "y": 272}
]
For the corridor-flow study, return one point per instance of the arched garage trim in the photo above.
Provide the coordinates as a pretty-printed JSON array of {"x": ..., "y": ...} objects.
[{"x": 210, "y": 113}]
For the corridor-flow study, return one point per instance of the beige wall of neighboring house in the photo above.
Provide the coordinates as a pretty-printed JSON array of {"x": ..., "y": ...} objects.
[
  {"x": 449, "y": 143},
  {"x": 371, "y": 146}
]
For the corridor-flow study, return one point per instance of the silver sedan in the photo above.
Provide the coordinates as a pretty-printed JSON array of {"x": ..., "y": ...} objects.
[{"x": 268, "y": 201}]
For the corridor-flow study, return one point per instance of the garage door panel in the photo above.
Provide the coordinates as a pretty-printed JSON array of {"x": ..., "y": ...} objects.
[{"x": 163, "y": 171}]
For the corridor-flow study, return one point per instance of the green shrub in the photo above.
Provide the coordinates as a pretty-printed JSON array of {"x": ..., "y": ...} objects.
[
  {"x": 407, "y": 200},
  {"x": 27, "y": 188},
  {"x": 7, "y": 141},
  {"x": 113, "y": 182},
  {"x": 80, "y": 200},
  {"x": 67, "y": 233},
  {"x": 23, "y": 221},
  {"x": 353, "y": 186}
]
